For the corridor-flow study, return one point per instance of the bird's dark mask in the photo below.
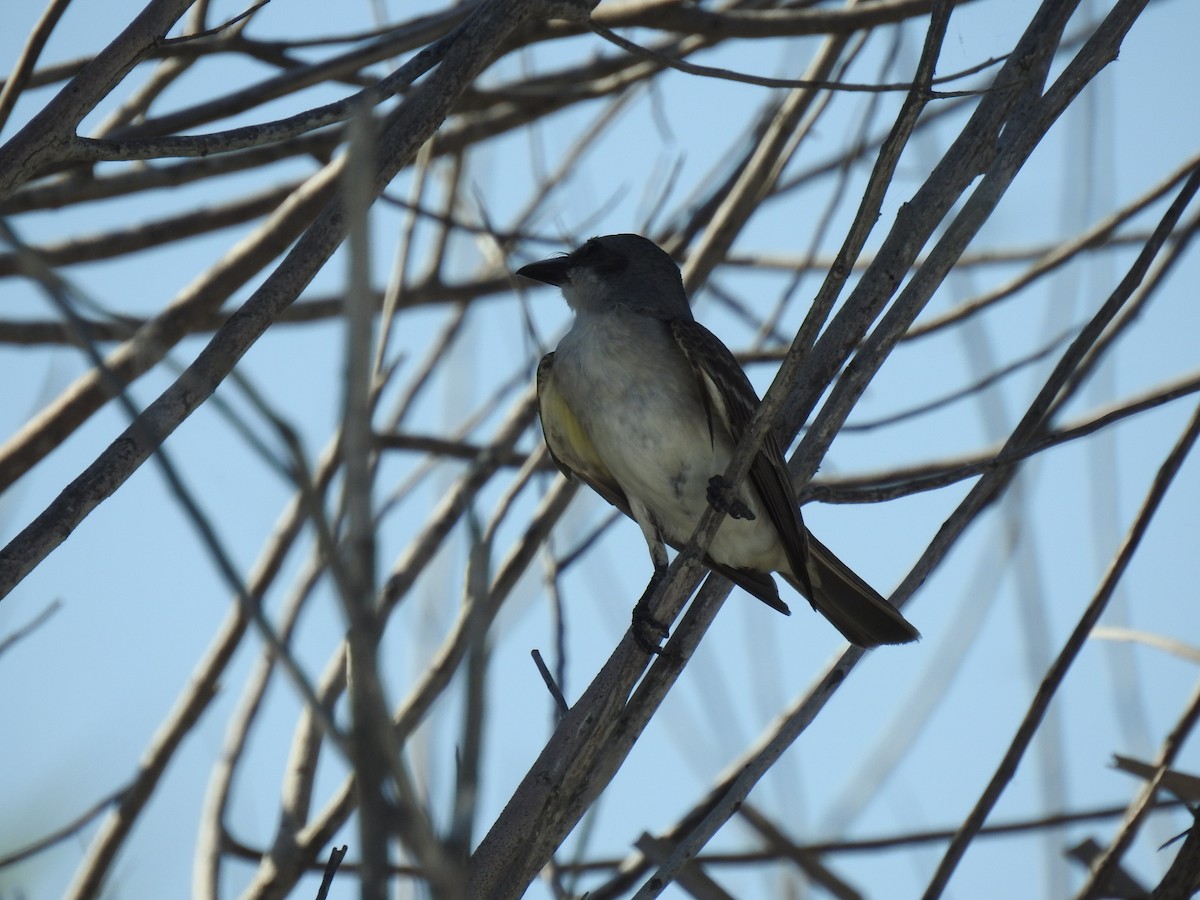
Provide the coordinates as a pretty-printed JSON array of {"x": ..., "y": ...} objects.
[{"x": 595, "y": 256}]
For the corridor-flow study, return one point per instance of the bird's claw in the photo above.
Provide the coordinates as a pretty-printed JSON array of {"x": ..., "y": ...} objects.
[
  {"x": 648, "y": 631},
  {"x": 722, "y": 496}
]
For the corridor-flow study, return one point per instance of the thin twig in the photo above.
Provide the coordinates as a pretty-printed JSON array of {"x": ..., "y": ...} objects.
[{"x": 1058, "y": 671}]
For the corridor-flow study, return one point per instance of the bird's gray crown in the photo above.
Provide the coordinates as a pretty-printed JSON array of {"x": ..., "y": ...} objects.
[{"x": 617, "y": 271}]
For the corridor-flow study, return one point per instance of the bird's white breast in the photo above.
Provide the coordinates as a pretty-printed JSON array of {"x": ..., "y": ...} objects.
[{"x": 634, "y": 392}]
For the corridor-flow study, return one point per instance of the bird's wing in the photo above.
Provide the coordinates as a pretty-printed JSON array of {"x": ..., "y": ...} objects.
[
  {"x": 576, "y": 457},
  {"x": 569, "y": 445},
  {"x": 853, "y": 606},
  {"x": 729, "y": 399}
]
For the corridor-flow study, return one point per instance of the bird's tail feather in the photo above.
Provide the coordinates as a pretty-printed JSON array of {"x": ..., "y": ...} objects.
[
  {"x": 853, "y": 606},
  {"x": 760, "y": 584}
]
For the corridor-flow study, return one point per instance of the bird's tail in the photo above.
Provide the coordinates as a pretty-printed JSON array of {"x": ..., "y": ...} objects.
[{"x": 853, "y": 606}]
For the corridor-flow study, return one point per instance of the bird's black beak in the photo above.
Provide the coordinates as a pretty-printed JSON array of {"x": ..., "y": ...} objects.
[{"x": 554, "y": 271}]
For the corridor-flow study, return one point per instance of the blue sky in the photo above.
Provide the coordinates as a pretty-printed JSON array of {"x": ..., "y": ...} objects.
[{"x": 141, "y": 602}]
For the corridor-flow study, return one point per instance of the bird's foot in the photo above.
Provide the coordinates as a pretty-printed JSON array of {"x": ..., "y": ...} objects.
[
  {"x": 648, "y": 631},
  {"x": 722, "y": 495}
]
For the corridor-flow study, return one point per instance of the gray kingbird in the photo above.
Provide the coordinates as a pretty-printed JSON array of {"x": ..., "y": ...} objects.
[{"x": 646, "y": 406}]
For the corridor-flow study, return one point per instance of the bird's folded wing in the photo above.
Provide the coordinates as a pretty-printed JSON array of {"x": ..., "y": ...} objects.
[
  {"x": 569, "y": 445},
  {"x": 730, "y": 400}
]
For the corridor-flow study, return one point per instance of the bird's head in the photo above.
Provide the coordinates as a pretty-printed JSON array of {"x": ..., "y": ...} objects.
[{"x": 624, "y": 271}]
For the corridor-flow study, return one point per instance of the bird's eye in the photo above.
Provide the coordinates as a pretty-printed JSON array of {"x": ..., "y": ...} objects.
[{"x": 603, "y": 260}]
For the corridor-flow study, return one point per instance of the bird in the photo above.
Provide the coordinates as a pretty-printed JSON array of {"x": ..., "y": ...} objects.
[{"x": 646, "y": 406}]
